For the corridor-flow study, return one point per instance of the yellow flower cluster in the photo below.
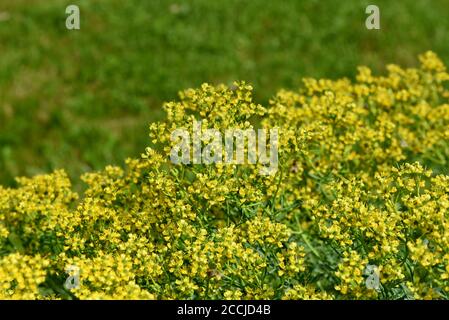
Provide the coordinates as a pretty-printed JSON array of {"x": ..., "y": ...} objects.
[
  {"x": 358, "y": 208},
  {"x": 21, "y": 276}
]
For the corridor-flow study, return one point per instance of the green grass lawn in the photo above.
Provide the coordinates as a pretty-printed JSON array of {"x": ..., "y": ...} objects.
[{"x": 82, "y": 99}]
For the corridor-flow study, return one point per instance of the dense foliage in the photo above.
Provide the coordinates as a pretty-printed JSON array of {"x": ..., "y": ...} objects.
[{"x": 362, "y": 188}]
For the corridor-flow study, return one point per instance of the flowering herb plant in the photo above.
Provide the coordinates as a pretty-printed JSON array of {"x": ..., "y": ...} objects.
[{"x": 358, "y": 207}]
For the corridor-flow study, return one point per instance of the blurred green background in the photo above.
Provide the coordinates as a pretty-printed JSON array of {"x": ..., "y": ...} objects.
[{"x": 83, "y": 99}]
